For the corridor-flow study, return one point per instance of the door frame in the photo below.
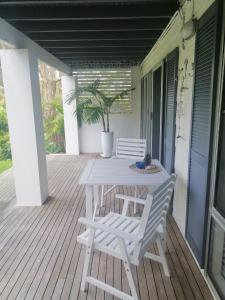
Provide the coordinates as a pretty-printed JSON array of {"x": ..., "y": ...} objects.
[{"x": 213, "y": 213}]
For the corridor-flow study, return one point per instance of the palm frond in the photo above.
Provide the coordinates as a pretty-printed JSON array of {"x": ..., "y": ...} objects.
[
  {"x": 122, "y": 94},
  {"x": 94, "y": 108},
  {"x": 92, "y": 114},
  {"x": 76, "y": 93},
  {"x": 81, "y": 106}
]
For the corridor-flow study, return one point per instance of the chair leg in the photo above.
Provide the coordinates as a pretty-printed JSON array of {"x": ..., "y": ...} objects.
[
  {"x": 163, "y": 237},
  {"x": 163, "y": 257},
  {"x": 102, "y": 195},
  {"x": 135, "y": 204},
  {"x": 163, "y": 240},
  {"x": 95, "y": 210},
  {"x": 87, "y": 261},
  {"x": 130, "y": 279},
  {"x": 96, "y": 200},
  {"x": 128, "y": 270}
]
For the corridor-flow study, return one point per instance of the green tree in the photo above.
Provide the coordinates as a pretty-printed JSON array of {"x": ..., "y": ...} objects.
[
  {"x": 5, "y": 150},
  {"x": 54, "y": 125}
]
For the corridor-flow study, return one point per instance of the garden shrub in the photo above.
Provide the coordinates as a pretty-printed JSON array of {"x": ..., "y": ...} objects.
[
  {"x": 5, "y": 150},
  {"x": 52, "y": 147}
]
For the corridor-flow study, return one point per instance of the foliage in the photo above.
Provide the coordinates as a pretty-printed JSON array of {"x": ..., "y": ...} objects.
[
  {"x": 52, "y": 147},
  {"x": 5, "y": 150},
  {"x": 5, "y": 165},
  {"x": 52, "y": 114},
  {"x": 49, "y": 79},
  {"x": 95, "y": 108},
  {"x": 54, "y": 125}
]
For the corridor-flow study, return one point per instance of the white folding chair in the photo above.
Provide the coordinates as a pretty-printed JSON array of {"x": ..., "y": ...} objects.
[
  {"x": 127, "y": 148},
  {"x": 129, "y": 238}
]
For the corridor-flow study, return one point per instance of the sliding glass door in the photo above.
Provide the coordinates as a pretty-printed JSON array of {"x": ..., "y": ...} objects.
[
  {"x": 216, "y": 265},
  {"x": 216, "y": 260},
  {"x": 216, "y": 254}
]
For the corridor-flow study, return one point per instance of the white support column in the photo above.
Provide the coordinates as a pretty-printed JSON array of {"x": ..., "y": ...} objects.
[
  {"x": 70, "y": 122},
  {"x": 23, "y": 104}
]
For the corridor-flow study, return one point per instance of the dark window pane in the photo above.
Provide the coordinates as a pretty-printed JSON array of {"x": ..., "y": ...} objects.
[
  {"x": 217, "y": 258},
  {"x": 157, "y": 84},
  {"x": 220, "y": 188},
  {"x": 220, "y": 193}
]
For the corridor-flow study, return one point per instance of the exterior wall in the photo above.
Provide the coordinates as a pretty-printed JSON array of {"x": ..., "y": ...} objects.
[
  {"x": 70, "y": 123},
  {"x": 170, "y": 39},
  {"x": 123, "y": 125}
]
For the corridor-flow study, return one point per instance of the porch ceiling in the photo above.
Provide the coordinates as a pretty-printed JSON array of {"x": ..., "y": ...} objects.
[{"x": 91, "y": 32}]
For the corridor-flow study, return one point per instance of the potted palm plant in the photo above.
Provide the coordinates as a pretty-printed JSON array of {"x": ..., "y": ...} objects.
[{"x": 96, "y": 107}]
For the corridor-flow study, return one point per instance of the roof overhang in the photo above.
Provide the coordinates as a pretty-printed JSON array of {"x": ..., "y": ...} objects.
[{"x": 91, "y": 32}]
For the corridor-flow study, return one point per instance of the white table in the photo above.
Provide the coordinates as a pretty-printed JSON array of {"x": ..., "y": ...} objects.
[{"x": 115, "y": 172}]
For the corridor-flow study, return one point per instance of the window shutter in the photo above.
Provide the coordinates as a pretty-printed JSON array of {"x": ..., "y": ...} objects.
[
  {"x": 146, "y": 102},
  {"x": 202, "y": 116},
  {"x": 170, "y": 111}
]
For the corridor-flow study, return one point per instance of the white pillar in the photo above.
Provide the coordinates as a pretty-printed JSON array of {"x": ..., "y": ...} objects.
[
  {"x": 23, "y": 104},
  {"x": 70, "y": 121}
]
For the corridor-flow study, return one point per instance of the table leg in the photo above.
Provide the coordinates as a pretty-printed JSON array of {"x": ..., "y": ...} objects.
[
  {"x": 96, "y": 199},
  {"x": 89, "y": 199}
]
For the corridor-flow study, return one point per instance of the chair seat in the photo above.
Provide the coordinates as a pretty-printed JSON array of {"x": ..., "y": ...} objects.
[{"x": 108, "y": 242}]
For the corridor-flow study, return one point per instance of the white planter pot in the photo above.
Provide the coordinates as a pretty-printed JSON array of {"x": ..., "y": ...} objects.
[{"x": 107, "y": 143}]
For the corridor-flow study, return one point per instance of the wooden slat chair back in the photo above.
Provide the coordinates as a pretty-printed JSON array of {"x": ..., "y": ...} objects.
[
  {"x": 130, "y": 148},
  {"x": 127, "y": 148},
  {"x": 127, "y": 238},
  {"x": 153, "y": 219}
]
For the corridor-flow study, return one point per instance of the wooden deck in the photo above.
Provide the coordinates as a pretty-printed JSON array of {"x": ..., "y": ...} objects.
[{"x": 40, "y": 258}]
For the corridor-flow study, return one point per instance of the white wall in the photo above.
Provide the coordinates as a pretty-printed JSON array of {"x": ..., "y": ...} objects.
[
  {"x": 123, "y": 125},
  {"x": 70, "y": 123},
  {"x": 170, "y": 39}
]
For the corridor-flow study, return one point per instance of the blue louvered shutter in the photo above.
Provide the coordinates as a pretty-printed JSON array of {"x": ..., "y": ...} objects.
[
  {"x": 202, "y": 116},
  {"x": 146, "y": 102},
  {"x": 170, "y": 111}
]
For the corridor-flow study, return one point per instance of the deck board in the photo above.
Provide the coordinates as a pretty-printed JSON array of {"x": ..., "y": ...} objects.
[{"x": 40, "y": 258}]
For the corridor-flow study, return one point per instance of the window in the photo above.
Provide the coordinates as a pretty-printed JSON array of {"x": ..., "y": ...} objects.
[
  {"x": 111, "y": 83},
  {"x": 223, "y": 259},
  {"x": 216, "y": 262}
]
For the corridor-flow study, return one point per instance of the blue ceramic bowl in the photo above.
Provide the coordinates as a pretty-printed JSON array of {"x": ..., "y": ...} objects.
[{"x": 140, "y": 164}]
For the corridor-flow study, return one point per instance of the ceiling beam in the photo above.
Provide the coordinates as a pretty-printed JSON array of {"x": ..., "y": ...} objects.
[
  {"x": 73, "y": 2},
  {"x": 99, "y": 50},
  {"x": 95, "y": 44},
  {"x": 99, "y": 56},
  {"x": 110, "y": 12},
  {"x": 94, "y": 60},
  {"x": 98, "y": 35},
  {"x": 91, "y": 26}
]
